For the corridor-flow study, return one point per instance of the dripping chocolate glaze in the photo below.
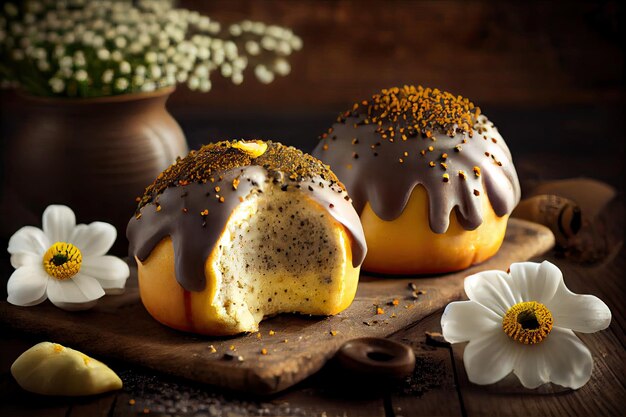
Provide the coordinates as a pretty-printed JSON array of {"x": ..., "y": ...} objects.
[
  {"x": 384, "y": 173},
  {"x": 194, "y": 213}
]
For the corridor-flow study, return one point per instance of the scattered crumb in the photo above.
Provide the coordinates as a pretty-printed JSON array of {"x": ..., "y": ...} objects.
[
  {"x": 333, "y": 332},
  {"x": 212, "y": 349},
  {"x": 258, "y": 335},
  {"x": 379, "y": 310},
  {"x": 131, "y": 401},
  {"x": 263, "y": 351},
  {"x": 232, "y": 347},
  {"x": 272, "y": 332},
  {"x": 285, "y": 341},
  {"x": 436, "y": 339},
  {"x": 393, "y": 315}
]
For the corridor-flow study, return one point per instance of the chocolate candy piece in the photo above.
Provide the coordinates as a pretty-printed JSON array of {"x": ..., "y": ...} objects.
[{"x": 378, "y": 357}]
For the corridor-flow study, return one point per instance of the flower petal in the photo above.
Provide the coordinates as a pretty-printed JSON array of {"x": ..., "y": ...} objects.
[
  {"x": 536, "y": 282},
  {"x": 561, "y": 358},
  {"x": 19, "y": 260},
  {"x": 93, "y": 239},
  {"x": 27, "y": 286},
  {"x": 29, "y": 239},
  {"x": 110, "y": 271},
  {"x": 581, "y": 313},
  {"x": 79, "y": 289},
  {"x": 466, "y": 320},
  {"x": 492, "y": 289},
  {"x": 490, "y": 358},
  {"x": 58, "y": 223}
]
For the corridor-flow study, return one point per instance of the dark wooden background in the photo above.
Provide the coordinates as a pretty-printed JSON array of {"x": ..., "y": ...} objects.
[{"x": 550, "y": 74}]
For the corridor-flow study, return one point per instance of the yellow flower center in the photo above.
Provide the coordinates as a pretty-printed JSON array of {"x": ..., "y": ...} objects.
[
  {"x": 528, "y": 322},
  {"x": 62, "y": 261}
]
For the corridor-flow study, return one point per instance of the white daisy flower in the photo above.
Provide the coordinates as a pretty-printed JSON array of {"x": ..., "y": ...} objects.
[
  {"x": 524, "y": 322},
  {"x": 64, "y": 262}
]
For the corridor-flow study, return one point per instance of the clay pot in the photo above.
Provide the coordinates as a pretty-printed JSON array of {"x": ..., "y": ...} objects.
[{"x": 95, "y": 155}]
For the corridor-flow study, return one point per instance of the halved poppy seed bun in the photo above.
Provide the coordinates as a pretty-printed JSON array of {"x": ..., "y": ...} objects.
[
  {"x": 431, "y": 178},
  {"x": 241, "y": 230}
]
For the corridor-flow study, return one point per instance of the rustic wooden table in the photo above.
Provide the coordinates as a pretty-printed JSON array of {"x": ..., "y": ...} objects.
[{"x": 439, "y": 385}]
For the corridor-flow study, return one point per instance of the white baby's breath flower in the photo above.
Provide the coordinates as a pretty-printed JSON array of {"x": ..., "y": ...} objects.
[
  {"x": 155, "y": 71},
  {"x": 120, "y": 42},
  {"x": 253, "y": 48},
  {"x": 125, "y": 67},
  {"x": 151, "y": 57},
  {"x": 148, "y": 87},
  {"x": 227, "y": 70},
  {"x": 79, "y": 59},
  {"x": 269, "y": 43},
  {"x": 103, "y": 54},
  {"x": 107, "y": 76},
  {"x": 205, "y": 85},
  {"x": 121, "y": 84},
  {"x": 57, "y": 84},
  {"x": 65, "y": 262},
  {"x": 281, "y": 66},
  {"x": 117, "y": 56},
  {"x": 138, "y": 80},
  {"x": 194, "y": 82},
  {"x": 524, "y": 322},
  {"x": 296, "y": 43},
  {"x": 81, "y": 75},
  {"x": 237, "y": 78},
  {"x": 264, "y": 75}
]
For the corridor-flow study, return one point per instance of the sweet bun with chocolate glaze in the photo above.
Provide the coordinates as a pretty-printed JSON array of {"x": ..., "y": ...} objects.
[
  {"x": 241, "y": 230},
  {"x": 431, "y": 178}
]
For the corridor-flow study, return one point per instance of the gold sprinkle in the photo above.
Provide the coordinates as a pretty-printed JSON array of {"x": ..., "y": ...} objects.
[
  {"x": 235, "y": 183},
  {"x": 272, "y": 332},
  {"x": 333, "y": 332},
  {"x": 212, "y": 349},
  {"x": 430, "y": 148},
  {"x": 263, "y": 351},
  {"x": 432, "y": 164},
  {"x": 462, "y": 174},
  {"x": 476, "y": 171},
  {"x": 446, "y": 177},
  {"x": 380, "y": 311}
]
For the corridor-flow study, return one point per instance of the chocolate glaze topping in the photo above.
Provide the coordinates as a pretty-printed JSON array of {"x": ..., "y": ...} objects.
[
  {"x": 403, "y": 137},
  {"x": 193, "y": 199}
]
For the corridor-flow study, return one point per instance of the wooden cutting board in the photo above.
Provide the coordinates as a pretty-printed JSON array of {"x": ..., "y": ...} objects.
[{"x": 119, "y": 327}]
